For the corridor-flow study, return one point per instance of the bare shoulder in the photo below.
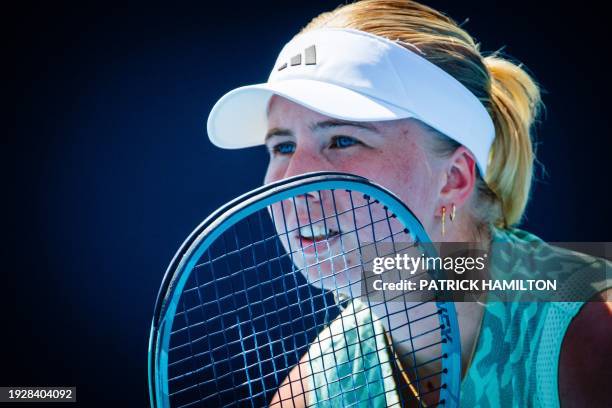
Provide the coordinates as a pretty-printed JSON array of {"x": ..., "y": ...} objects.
[
  {"x": 585, "y": 363},
  {"x": 293, "y": 392}
]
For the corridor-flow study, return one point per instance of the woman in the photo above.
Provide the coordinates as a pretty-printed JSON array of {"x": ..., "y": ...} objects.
[{"x": 397, "y": 92}]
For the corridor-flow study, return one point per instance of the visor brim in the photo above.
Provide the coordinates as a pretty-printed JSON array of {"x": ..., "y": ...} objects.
[{"x": 239, "y": 118}]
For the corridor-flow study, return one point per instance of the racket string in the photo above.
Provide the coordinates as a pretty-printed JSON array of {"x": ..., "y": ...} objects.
[{"x": 277, "y": 311}]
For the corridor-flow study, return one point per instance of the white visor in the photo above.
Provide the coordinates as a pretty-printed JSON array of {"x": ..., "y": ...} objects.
[{"x": 353, "y": 75}]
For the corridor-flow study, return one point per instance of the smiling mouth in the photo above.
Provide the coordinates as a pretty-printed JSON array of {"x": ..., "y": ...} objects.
[
  {"x": 317, "y": 232},
  {"x": 316, "y": 237}
]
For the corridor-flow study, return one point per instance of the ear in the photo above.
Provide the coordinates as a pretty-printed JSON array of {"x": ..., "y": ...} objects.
[{"x": 460, "y": 173}]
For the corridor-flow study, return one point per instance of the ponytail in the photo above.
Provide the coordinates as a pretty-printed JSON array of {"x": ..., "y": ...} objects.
[{"x": 514, "y": 105}]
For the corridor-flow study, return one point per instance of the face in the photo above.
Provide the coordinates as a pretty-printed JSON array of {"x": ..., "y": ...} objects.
[{"x": 392, "y": 154}]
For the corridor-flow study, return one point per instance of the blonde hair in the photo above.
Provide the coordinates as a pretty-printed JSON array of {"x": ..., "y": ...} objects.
[{"x": 509, "y": 94}]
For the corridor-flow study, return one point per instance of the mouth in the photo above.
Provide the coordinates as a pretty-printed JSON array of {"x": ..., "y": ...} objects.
[{"x": 316, "y": 238}]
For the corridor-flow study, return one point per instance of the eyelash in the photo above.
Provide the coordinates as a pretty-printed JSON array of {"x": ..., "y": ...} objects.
[
  {"x": 335, "y": 140},
  {"x": 276, "y": 149}
]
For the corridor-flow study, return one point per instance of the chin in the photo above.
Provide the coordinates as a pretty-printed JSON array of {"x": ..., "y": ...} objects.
[{"x": 336, "y": 275}]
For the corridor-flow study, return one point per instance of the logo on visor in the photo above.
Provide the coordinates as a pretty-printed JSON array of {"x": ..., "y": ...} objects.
[{"x": 310, "y": 58}]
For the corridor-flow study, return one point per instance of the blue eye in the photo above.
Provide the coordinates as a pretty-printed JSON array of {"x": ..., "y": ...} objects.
[
  {"x": 342, "y": 142},
  {"x": 284, "y": 148}
]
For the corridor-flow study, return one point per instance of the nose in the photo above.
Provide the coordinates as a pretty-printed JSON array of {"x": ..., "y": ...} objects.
[
  {"x": 307, "y": 159},
  {"x": 310, "y": 209}
]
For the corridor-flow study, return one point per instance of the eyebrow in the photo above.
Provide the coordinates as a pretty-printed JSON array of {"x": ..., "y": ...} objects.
[
  {"x": 326, "y": 124},
  {"x": 278, "y": 132}
]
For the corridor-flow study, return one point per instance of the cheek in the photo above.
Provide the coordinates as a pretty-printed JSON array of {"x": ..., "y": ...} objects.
[{"x": 406, "y": 172}]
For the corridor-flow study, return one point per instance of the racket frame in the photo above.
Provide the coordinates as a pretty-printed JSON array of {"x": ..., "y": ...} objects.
[{"x": 185, "y": 260}]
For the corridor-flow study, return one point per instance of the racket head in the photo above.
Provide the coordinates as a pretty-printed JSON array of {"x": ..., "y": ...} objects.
[{"x": 176, "y": 283}]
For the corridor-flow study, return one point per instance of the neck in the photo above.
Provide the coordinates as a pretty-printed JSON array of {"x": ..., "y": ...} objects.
[
  {"x": 463, "y": 229},
  {"x": 469, "y": 315}
]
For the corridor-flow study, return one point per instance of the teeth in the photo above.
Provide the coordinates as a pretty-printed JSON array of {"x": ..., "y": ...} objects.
[{"x": 316, "y": 231}]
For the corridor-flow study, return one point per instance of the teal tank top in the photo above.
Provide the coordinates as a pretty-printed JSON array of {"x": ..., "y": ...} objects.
[{"x": 515, "y": 360}]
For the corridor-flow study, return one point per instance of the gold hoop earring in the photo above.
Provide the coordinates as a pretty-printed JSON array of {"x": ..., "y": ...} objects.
[
  {"x": 443, "y": 218},
  {"x": 453, "y": 213}
]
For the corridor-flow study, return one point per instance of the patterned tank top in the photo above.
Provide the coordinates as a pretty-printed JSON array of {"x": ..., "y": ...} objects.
[{"x": 516, "y": 357}]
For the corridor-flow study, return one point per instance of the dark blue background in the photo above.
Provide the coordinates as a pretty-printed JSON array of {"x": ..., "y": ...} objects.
[{"x": 108, "y": 167}]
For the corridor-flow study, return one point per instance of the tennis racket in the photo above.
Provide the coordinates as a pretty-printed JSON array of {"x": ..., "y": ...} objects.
[{"x": 272, "y": 284}]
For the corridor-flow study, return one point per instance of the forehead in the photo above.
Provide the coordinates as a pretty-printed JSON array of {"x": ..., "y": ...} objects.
[
  {"x": 280, "y": 108},
  {"x": 283, "y": 112}
]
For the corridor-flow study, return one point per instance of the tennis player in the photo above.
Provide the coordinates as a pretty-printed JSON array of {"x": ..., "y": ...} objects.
[{"x": 397, "y": 92}]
